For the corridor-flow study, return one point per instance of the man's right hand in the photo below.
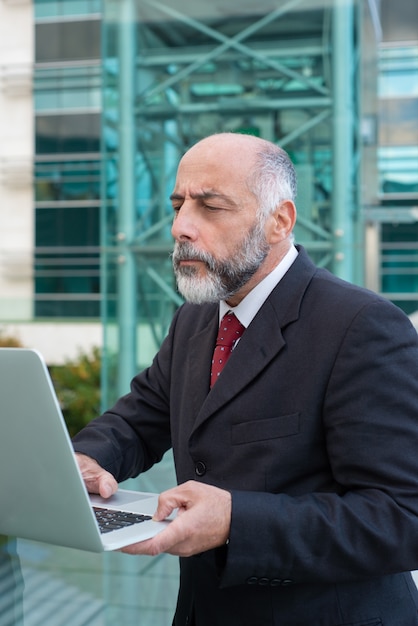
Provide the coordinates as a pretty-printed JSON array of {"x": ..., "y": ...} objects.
[{"x": 97, "y": 479}]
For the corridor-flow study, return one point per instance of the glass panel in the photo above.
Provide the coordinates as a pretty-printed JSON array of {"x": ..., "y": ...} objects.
[
  {"x": 398, "y": 122},
  {"x": 67, "y": 262},
  {"x": 399, "y": 83},
  {"x": 399, "y": 20},
  {"x": 400, "y": 264},
  {"x": 59, "y": 8},
  {"x": 68, "y": 88},
  {"x": 66, "y": 306},
  {"x": 69, "y": 226},
  {"x": 67, "y": 180},
  {"x": 67, "y": 41},
  {"x": 67, "y": 132},
  {"x": 67, "y": 78},
  {"x": 399, "y": 169}
]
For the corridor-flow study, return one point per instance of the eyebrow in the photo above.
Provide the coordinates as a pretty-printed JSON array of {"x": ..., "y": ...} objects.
[{"x": 203, "y": 195}]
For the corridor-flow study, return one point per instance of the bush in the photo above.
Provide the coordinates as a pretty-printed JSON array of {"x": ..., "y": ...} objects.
[
  {"x": 9, "y": 342},
  {"x": 77, "y": 383}
]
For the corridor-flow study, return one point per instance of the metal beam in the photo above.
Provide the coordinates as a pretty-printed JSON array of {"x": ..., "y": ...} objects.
[
  {"x": 126, "y": 270},
  {"x": 230, "y": 42},
  {"x": 343, "y": 138}
]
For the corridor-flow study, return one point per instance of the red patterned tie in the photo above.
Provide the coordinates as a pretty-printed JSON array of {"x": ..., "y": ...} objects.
[{"x": 230, "y": 330}]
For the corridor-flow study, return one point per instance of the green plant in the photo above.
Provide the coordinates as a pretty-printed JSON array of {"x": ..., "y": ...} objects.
[
  {"x": 6, "y": 341},
  {"x": 77, "y": 383}
]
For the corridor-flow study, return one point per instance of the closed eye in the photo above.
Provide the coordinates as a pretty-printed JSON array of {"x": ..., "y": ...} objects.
[{"x": 209, "y": 207}]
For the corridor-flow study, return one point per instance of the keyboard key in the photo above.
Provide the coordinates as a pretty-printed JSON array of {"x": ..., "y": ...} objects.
[{"x": 109, "y": 519}]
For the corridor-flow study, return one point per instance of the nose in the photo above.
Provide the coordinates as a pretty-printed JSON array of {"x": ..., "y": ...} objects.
[{"x": 184, "y": 226}]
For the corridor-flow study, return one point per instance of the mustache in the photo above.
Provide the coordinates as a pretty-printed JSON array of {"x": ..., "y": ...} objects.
[{"x": 184, "y": 251}]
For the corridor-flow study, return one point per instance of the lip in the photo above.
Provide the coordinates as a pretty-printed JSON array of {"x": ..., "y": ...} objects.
[{"x": 189, "y": 261}]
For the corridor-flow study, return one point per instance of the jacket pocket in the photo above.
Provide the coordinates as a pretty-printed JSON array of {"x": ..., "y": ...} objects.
[
  {"x": 264, "y": 429},
  {"x": 368, "y": 622}
]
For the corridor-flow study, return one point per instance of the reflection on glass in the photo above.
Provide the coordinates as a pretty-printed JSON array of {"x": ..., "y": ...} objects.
[{"x": 11, "y": 584}]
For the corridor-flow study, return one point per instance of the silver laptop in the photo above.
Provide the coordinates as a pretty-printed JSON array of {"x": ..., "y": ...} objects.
[{"x": 42, "y": 494}]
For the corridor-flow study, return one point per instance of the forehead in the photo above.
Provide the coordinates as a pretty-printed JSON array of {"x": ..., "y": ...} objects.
[{"x": 214, "y": 167}]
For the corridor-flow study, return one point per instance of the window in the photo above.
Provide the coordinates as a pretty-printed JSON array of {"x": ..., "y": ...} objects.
[
  {"x": 67, "y": 133},
  {"x": 67, "y": 262},
  {"x": 67, "y": 41}
]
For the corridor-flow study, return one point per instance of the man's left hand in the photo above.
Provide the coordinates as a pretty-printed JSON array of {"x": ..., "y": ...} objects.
[{"x": 203, "y": 521}]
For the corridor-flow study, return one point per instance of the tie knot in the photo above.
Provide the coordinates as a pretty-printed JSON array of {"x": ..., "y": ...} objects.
[{"x": 230, "y": 330}]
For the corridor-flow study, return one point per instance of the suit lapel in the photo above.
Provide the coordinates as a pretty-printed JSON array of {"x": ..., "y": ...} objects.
[
  {"x": 261, "y": 342},
  {"x": 199, "y": 355}
]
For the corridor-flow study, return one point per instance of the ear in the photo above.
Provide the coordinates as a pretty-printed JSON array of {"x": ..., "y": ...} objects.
[{"x": 281, "y": 222}]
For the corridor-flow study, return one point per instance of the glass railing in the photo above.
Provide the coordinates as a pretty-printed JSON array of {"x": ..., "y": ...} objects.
[
  {"x": 43, "y": 585},
  {"x": 46, "y": 585}
]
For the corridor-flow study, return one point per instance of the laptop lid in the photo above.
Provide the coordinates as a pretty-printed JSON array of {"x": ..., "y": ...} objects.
[{"x": 42, "y": 494}]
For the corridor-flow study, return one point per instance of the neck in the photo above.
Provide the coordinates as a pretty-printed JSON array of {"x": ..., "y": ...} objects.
[{"x": 269, "y": 264}]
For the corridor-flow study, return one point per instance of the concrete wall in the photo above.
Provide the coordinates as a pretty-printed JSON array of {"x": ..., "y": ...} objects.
[
  {"x": 16, "y": 157},
  {"x": 57, "y": 341}
]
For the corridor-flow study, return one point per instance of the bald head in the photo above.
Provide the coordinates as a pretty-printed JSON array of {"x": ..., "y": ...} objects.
[
  {"x": 234, "y": 142},
  {"x": 263, "y": 167}
]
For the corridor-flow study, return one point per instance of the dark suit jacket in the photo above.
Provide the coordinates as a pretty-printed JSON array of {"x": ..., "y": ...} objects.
[{"x": 313, "y": 427}]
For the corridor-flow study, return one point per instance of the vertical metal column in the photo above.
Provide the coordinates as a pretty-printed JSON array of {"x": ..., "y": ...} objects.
[
  {"x": 126, "y": 275},
  {"x": 343, "y": 137},
  {"x": 126, "y": 284}
]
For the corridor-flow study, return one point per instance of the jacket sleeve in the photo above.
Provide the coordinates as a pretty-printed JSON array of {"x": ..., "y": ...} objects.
[
  {"x": 135, "y": 433},
  {"x": 369, "y": 526}
]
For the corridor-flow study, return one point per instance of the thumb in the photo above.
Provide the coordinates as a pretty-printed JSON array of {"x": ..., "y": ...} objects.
[
  {"x": 107, "y": 485},
  {"x": 165, "y": 507}
]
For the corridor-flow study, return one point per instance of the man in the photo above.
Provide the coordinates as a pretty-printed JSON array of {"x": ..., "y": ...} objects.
[{"x": 298, "y": 469}]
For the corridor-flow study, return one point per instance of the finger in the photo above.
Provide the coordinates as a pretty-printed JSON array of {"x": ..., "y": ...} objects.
[
  {"x": 166, "y": 541},
  {"x": 107, "y": 485},
  {"x": 168, "y": 501},
  {"x": 181, "y": 497},
  {"x": 97, "y": 479},
  {"x": 146, "y": 548}
]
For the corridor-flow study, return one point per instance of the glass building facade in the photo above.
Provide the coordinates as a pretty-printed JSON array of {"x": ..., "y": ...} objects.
[
  {"x": 122, "y": 88},
  {"x": 67, "y": 88}
]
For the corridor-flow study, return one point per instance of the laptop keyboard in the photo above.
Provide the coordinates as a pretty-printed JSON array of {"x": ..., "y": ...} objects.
[{"x": 109, "y": 520}]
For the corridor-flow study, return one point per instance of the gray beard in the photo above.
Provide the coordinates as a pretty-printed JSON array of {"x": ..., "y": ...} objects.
[{"x": 223, "y": 278}]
